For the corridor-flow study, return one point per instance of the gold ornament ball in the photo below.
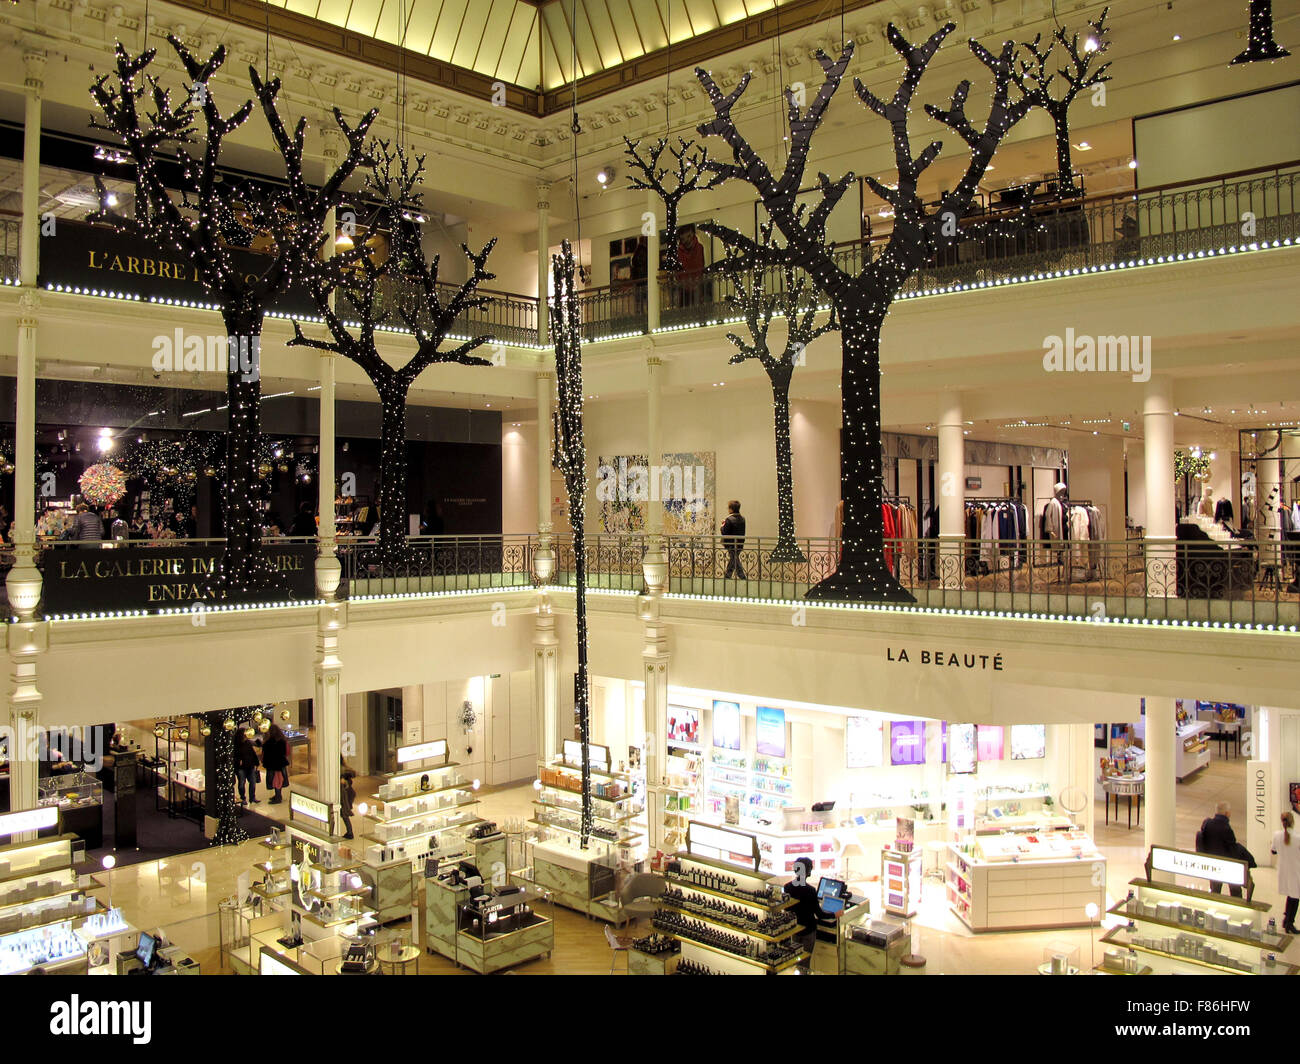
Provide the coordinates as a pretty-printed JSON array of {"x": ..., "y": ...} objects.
[
  {"x": 248, "y": 733},
  {"x": 205, "y": 731},
  {"x": 264, "y": 469},
  {"x": 284, "y": 715},
  {"x": 229, "y": 725},
  {"x": 257, "y": 715},
  {"x": 265, "y": 726}
]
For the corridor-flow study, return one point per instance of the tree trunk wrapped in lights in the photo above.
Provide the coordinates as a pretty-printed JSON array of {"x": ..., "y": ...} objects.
[
  {"x": 671, "y": 186},
  {"x": 794, "y": 300},
  {"x": 862, "y": 299},
  {"x": 228, "y": 832},
  {"x": 1078, "y": 74},
  {"x": 405, "y": 284},
  {"x": 1261, "y": 46},
  {"x": 571, "y": 460},
  {"x": 213, "y": 217}
]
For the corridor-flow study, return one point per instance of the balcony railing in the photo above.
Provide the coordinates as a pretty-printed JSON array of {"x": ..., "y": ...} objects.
[
  {"x": 1065, "y": 237},
  {"x": 1241, "y": 582}
]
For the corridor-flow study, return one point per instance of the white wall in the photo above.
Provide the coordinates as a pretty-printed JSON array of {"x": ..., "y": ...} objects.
[
  {"x": 518, "y": 477},
  {"x": 501, "y": 748},
  {"x": 736, "y": 424}
]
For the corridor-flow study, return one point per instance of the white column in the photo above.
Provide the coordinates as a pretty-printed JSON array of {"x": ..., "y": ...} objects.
[
  {"x": 545, "y": 396},
  {"x": 546, "y": 680},
  {"x": 543, "y": 261},
  {"x": 654, "y": 659},
  {"x": 24, "y": 580},
  {"x": 327, "y": 704},
  {"x": 952, "y": 490},
  {"x": 654, "y": 565},
  {"x": 26, "y": 639},
  {"x": 1158, "y": 430},
  {"x": 653, "y": 204},
  {"x": 1161, "y": 765}
]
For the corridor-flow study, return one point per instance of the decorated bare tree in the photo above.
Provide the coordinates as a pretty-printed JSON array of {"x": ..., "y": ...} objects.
[
  {"x": 670, "y": 182},
  {"x": 210, "y": 218},
  {"x": 1261, "y": 46},
  {"x": 1083, "y": 71},
  {"x": 862, "y": 299},
  {"x": 403, "y": 287},
  {"x": 758, "y": 302},
  {"x": 571, "y": 460}
]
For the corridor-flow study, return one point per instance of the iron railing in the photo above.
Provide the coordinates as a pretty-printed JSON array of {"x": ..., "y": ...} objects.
[{"x": 1243, "y": 582}]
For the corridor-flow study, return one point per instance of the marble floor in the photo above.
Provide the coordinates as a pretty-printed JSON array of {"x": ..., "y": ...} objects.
[{"x": 181, "y": 894}]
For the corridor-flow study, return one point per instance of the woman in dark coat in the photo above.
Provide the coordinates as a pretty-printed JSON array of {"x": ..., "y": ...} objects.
[
  {"x": 275, "y": 759},
  {"x": 245, "y": 767}
]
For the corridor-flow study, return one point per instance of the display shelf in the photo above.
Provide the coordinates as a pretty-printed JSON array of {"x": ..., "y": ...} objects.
[
  {"x": 1104, "y": 969},
  {"x": 1116, "y": 937},
  {"x": 729, "y": 925},
  {"x": 1004, "y": 895},
  {"x": 1192, "y": 749},
  {"x": 603, "y": 774},
  {"x": 1266, "y": 941},
  {"x": 622, "y": 840}
]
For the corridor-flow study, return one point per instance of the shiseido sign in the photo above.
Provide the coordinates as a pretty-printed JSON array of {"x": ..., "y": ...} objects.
[
  {"x": 96, "y": 258},
  {"x": 111, "y": 576}
]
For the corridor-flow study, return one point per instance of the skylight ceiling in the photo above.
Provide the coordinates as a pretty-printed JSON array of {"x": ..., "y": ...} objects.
[{"x": 531, "y": 42}]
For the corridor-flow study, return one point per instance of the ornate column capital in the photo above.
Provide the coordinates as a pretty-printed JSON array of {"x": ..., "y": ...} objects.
[
  {"x": 34, "y": 60},
  {"x": 29, "y": 305},
  {"x": 543, "y": 195}
]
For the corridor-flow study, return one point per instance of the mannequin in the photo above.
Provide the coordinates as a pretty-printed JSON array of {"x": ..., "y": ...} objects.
[
  {"x": 1206, "y": 506},
  {"x": 1055, "y": 521}
]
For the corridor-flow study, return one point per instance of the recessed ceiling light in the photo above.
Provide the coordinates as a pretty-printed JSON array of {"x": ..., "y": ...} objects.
[{"x": 1083, "y": 145}]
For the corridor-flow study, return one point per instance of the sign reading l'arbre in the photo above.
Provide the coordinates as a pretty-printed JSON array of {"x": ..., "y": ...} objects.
[
  {"x": 104, "y": 576},
  {"x": 95, "y": 257}
]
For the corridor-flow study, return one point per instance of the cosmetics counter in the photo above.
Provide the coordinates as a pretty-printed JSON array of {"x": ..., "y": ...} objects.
[
  {"x": 79, "y": 797},
  {"x": 48, "y": 917},
  {"x": 727, "y": 917},
  {"x": 870, "y": 947},
  {"x": 1192, "y": 748},
  {"x": 1025, "y": 880},
  {"x": 486, "y": 927},
  {"x": 416, "y": 813},
  {"x": 1172, "y": 929}
]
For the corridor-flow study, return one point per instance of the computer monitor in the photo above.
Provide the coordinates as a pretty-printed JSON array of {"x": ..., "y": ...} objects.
[
  {"x": 829, "y": 888},
  {"x": 144, "y": 949},
  {"x": 832, "y": 905}
]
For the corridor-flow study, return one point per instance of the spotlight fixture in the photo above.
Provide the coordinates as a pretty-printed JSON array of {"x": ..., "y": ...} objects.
[{"x": 605, "y": 176}]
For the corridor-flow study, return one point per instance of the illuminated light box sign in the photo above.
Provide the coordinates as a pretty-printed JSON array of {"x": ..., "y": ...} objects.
[
  {"x": 961, "y": 749},
  {"x": 103, "y": 575},
  {"x": 769, "y": 730},
  {"x": 422, "y": 751},
  {"x": 1198, "y": 866},
  {"x": 991, "y": 740},
  {"x": 29, "y": 820},
  {"x": 864, "y": 742},
  {"x": 1028, "y": 741},
  {"x": 722, "y": 844},
  {"x": 726, "y": 725},
  {"x": 907, "y": 742},
  {"x": 598, "y": 755},
  {"x": 300, "y": 805},
  {"x": 683, "y": 727}
]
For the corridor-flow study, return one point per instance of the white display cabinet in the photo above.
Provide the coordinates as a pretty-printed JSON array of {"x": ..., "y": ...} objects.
[
  {"x": 43, "y": 905},
  {"x": 1182, "y": 930},
  {"x": 618, "y": 814},
  {"x": 1192, "y": 747}
]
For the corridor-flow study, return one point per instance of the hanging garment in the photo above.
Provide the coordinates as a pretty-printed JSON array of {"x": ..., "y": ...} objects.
[
  {"x": 887, "y": 514},
  {"x": 1223, "y": 511}
]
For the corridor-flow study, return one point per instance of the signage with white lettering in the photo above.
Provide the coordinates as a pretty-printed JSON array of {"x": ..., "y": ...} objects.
[
  {"x": 1199, "y": 866},
  {"x": 29, "y": 820},
  {"x": 422, "y": 751}
]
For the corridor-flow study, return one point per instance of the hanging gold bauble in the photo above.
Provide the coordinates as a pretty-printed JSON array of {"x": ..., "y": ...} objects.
[
  {"x": 248, "y": 733},
  {"x": 229, "y": 725},
  {"x": 209, "y": 471},
  {"x": 264, "y": 469},
  {"x": 257, "y": 715},
  {"x": 185, "y": 735},
  {"x": 283, "y": 467},
  {"x": 205, "y": 730},
  {"x": 284, "y": 715},
  {"x": 265, "y": 726}
]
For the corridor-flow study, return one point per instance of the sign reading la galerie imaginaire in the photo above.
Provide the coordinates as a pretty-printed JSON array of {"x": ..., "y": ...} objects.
[{"x": 114, "y": 576}]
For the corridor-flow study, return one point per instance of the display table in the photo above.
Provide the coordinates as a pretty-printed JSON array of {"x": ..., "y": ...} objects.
[
  {"x": 1022, "y": 883},
  {"x": 582, "y": 880},
  {"x": 397, "y": 963},
  {"x": 870, "y": 947},
  {"x": 1192, "y": 748},
  {"x": 1129, "y": 787},
  {"x": 502, "y": 949},
  {"x": 1228, "y": 733}
]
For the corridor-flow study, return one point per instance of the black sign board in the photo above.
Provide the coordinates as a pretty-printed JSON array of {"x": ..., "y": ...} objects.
[
  {"x": 96, "y": 258},
  {"x": 98, "y": 576}
]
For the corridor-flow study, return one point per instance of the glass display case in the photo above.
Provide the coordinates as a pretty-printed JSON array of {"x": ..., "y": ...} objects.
[
  {"x": 870, "y": 946},
  {"x": 73, "y": 790},
  {"x": 54, "y": 945}
]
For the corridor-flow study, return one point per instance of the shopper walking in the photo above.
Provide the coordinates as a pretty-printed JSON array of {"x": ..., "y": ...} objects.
[
  {"x": 87, "y": 525},
  {"x": 304, "y": 522},
  {"x": 246, "y": 768},
  {"x": 1217, "y": 837},
  {"x": 1286, "y": 845},
  {"x": 275, "y": 759},
  {"x": 733, "y": 540}
]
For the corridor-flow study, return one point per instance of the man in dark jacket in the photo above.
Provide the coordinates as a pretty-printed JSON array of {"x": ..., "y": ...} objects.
[
  {"x": 733, "y": 540},
  {"x": 1217, "y": 837},
  {"x": 88, "y": 525}
]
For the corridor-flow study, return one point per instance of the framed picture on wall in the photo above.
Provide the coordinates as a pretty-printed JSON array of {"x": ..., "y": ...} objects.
[
  {"x": 990, "y": 741},
  {"x": 769, "y": 730},
  {"x": 1028, "y": 741},
  {"x": 974, "y": 483},
  {"x": 726, "y": 725},
  {"x": 961, "y": 749}
]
